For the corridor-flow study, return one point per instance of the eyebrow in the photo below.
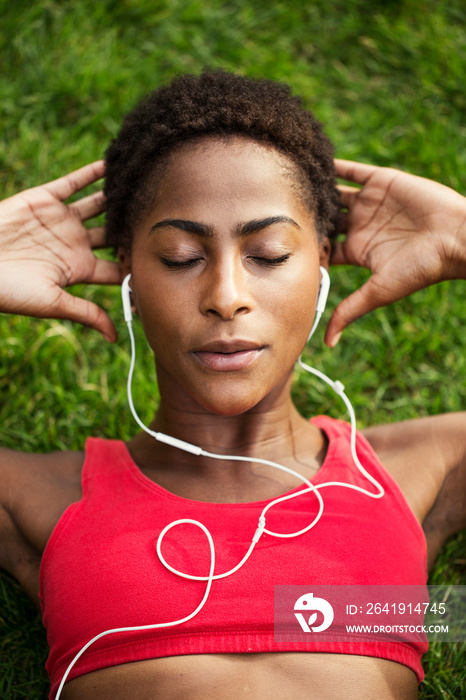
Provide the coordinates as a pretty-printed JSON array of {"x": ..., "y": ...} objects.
[{"x": 205, "y": 231}]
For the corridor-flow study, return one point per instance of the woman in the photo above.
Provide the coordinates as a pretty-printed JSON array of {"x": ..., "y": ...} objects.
[{"x": 221, "y": 198}]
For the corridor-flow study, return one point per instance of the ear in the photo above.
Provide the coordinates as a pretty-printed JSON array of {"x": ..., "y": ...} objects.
[
  {"x": 325, "y": 248},
  {"x": 124, "y": 259}
]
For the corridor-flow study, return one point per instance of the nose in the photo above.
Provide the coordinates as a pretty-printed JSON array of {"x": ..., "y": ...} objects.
[{"x": 226, "y": 293}]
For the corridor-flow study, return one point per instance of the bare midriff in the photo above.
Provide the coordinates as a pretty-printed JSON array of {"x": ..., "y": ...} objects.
[{"x": 260, "y": 676}]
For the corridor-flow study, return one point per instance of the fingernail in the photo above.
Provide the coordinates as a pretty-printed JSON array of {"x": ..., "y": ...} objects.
[{"x": 335, "y": 339}]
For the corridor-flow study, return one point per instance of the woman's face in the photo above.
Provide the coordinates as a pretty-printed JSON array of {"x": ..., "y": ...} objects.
[{"x": 225, "y": 274}]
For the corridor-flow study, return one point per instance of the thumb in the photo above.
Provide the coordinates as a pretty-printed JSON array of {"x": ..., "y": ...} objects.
[
  {"x": 85, "y": 312},
  {"x": 367, "y": 298}
]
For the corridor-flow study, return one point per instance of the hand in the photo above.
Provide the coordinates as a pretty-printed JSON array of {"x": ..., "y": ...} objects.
[
  {"x": 409, "y": 231},
  {"x": 45, "y": 247}
]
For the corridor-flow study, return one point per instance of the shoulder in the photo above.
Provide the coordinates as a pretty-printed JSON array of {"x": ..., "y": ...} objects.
[
  {"x": 35, "y": 490},
  {"x": 23, "y": 473},
  {"x": 427, "y": 458}
]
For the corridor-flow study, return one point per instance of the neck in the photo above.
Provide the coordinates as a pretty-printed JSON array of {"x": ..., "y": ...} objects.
[
  {"x": 256, "y": 432},
  {"x": 273, "y": 430}
]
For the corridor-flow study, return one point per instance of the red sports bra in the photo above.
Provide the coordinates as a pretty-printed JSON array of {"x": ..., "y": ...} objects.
[{"x": 100, "y": 569}]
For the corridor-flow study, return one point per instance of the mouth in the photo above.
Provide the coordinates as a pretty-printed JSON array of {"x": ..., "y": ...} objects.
[{"x": 228, "y": 355}]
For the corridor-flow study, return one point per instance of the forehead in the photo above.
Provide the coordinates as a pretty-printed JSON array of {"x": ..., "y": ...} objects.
[{"x": 233, "y": 172}]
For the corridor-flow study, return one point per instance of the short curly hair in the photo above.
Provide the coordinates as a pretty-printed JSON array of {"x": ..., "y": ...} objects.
[{"x": 215, "y": 103}]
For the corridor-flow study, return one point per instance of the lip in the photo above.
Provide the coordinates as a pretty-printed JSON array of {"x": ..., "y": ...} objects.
[
  {"x": 229, "y": 346},
  {"x": 228, "y": 355}
]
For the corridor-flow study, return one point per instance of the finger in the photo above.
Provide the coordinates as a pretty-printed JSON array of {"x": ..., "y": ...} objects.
[
  {"x": 343, "y": 189},
  {"x": 65, "y": 186},
  {"x": 339, "y": 254},
  {"x": 348, "y": 197},
  {"x": 97, "y": 237},
  {"x": 87, "y": 313},
  {"x": 90, "y": 206},
  {"x": 365, "y": 299},
  {"x": 342, "y": 222},
  {"x": 354, "y": 172},
  {"x": 105, "y": 272}
]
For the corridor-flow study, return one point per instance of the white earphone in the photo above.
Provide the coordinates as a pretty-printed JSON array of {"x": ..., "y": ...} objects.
[
  {"x": 126, "y": 299},
  {"x": 321, "y": 299},
  {"x": 324, "y": 290},
  {"x": 337, "y": 386}
]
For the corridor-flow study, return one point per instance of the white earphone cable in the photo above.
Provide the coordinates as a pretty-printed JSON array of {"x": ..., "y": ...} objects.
[{"x": 337, "y": 387}]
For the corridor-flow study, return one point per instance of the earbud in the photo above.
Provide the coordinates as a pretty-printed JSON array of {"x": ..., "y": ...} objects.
[
  {"x": 321, "y": 300},
  {"x": 126, "y": 299},
  {"x": 324, "y": 290}
]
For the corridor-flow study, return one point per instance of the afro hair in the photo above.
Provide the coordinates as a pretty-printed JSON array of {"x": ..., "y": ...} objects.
[{"x": 222, "y": 104}]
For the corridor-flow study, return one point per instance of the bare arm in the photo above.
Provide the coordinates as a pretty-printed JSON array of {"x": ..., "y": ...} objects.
[
  {"x": 411, "y": 233},
  {"x": 35, "y": 491},
  {"x": 427, "y": 458},
  {"x": 44, "y": 247}
]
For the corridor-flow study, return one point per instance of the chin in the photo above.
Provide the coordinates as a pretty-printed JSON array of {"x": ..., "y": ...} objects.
[
  {"x": 233, "y": 408},
  {"x": 234, "y": 396},
  {"x": 228, "y": 405}
]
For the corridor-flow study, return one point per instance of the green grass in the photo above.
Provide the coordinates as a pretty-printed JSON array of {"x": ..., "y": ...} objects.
[{"x": 387, "y": 79}]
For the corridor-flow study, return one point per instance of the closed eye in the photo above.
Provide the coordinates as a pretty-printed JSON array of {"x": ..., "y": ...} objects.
[
  {"x": 179, "y": 263},
  {"x": 257, "y": 259},
  {"x": 271, "y": 261}
]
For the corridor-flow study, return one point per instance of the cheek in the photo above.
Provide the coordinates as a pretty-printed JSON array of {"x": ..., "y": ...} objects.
[
  {"x": 164, "y": 335},
  {"x": 295, "y": 325},
  {"x": 158, "y": 313},
  {"x": 291, "y": 303},
  {"x": 170, "y": 318}
]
